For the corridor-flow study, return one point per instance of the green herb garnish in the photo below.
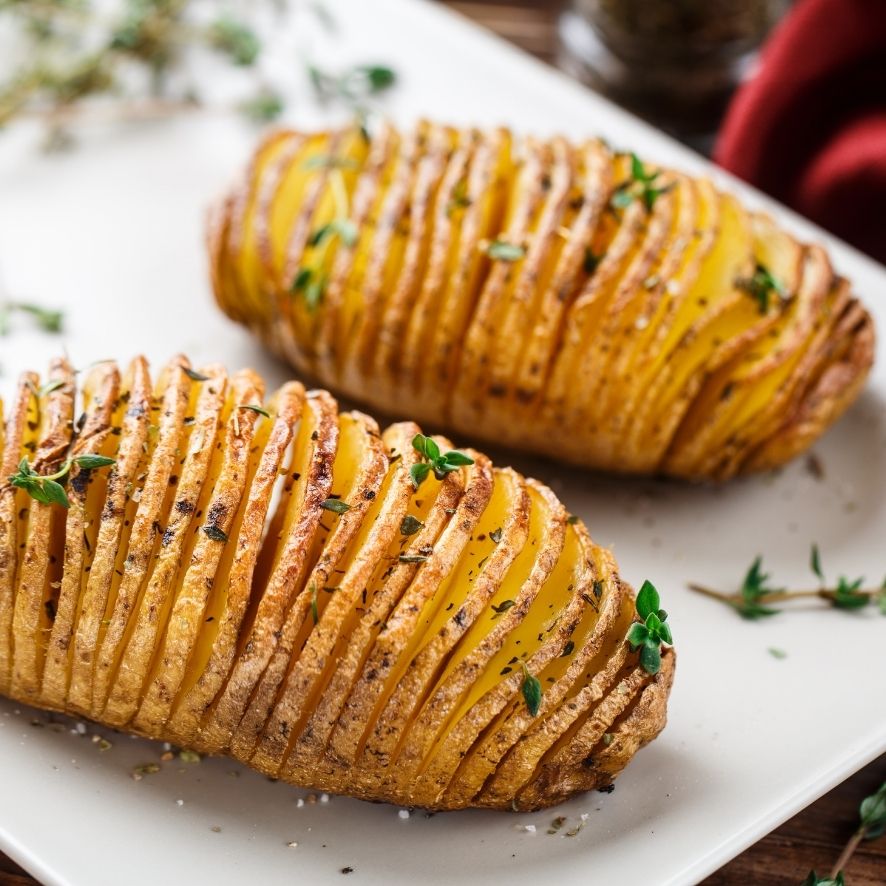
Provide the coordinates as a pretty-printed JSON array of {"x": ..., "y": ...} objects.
[
  {"x": 50, "y": 387},
  {"x": 336, "y": 505},
  {"x": 345, "y": 229},
  {"x": 266, "y": 105},
  {"x": 409, "y": 525},
  {"x": 73, "y": 52},
  {"x": 753, "y": 599},
  {"x": 501, "y": 250},
  {"x": 642, "y": 185},
  {"x": 329, "y": 161},
  {"x": 531, "y": 689},
  {"x": 495, "y": 535},
  {"x": 314, "y": 611},
  {"x": 459, "y": 199},
  {"x": 814, "y": 880},
  {"x": 194, "y": 375},
  {"x": 258, "y": 410},
  {"x": 45, "y": 488},
  {"x": 312, "y": 285},
  {"x": 651, "y": 631},
  {"x": 504, "y": 606},
  {"x": 239, "y": 42},
  {"x": 761, "y": 286},
  {"x": 592, "y": 261},
  {"x": 352, "y": 86},
  {"x": 433, "y": 460},
  {"x": 48, "y": 319},
  {"x": 215, "y": 533},
  {"x": 871, "y": 825}
]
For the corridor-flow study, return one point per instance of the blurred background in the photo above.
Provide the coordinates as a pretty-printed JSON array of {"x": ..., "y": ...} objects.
[{"x": 790, "y": 96}]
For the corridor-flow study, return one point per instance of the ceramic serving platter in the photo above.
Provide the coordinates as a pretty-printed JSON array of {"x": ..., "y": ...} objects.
[{"x": 112, "y": 232}]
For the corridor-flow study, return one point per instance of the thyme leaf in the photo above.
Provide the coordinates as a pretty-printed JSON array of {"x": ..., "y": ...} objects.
[
  {"x": 531, "y": 689},
  {"x": 434, "y": 460}
]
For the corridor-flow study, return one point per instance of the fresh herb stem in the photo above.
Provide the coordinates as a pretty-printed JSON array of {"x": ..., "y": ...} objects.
[
  {"x": 872, "y": 824},
  {"x": 848, "y": 851},
  {"x": 752, "y": 600},
  {"x": 780, "y": 596}
]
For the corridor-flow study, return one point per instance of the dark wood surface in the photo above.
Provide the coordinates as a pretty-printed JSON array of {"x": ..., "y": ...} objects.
[{"x": 815, "y": 837}]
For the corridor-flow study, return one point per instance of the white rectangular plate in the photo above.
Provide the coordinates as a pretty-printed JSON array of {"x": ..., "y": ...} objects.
[{"x": 113, "y": 232}]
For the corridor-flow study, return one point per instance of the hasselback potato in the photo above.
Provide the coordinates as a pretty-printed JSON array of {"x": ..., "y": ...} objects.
[
  {"x": 556, "y": 297},
  {"x": 367, "y": 613}
]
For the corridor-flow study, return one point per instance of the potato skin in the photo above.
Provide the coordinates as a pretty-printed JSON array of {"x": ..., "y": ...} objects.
[
  {"x": 631, "y": 337},
  {"x": 262, "y": 578}
]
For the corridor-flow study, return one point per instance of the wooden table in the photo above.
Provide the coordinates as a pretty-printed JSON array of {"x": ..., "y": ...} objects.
[{"x": 815, "y": 837}]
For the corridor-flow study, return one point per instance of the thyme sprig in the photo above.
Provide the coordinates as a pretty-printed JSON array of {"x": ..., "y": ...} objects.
[
  {"x": 48, "y": 319},
  {"x": 45, "y": 488},
  {"x": 871, "y": 825},
  {"x": 761, "y": 286},
  {"x": 310, "y": 279},
  {"x": 441, "y": 463},
  {"x": 644, "y": 185},
  {"x": 353, "y": 86},
  {"x": 531, "y": 689},
  {"x": 76, "y": 52},
  {"x": 652, "y": 631},
  {"x": 752, "y": 600},
  {"x": 503, "y": 250}
]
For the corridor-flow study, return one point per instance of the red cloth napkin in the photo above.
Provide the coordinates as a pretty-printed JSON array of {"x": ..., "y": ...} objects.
[{"x": 810, "y": 126}]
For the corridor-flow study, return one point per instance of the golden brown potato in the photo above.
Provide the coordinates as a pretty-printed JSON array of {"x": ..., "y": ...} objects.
[
  {"x": 368, "y": 613},
  {"x": 557, "y": 298}
]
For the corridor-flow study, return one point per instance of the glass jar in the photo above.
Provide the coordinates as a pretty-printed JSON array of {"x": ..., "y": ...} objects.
[{"x": 675, "y": 62}]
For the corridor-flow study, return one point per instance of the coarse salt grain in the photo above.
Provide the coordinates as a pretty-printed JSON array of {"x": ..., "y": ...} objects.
[
  {"x": 324, "y": 798},
  {"x": 179, "y": 802},
  {"x": 81, "y": 728},
  {"x": 292, "y": 844},
  {"x": 403, "y": 813},
  {"x": 299, "y": 802}
]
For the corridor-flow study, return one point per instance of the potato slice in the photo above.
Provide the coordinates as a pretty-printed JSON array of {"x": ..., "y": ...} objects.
[
  {"x": 389, "y": 256},
  {"x": 184, "y": 504},
  {"x": 18, "y": 434},
  {"x": 170, "y": 418},
  {"x": 453, "y": 610},
  {"x": 587, "y": 603},
  {"x": 348, "y": 266},
  {"x": 349, "y": 738},
  {"x": 378, "y": 512},
  {"x": 382, "y": 341},
  {"x": 577, "y": 262},
  {"x": 40, "y": 567},
  {"x": 128, "y": 422},
  {"x": 430, "y": 760},
  {"x": 221, "y": 500},
  {"x": 281, "y": 565},
  {"x": 213, "y": 658},
  {"x": 518, "y": 226},
  {"x": 429, "y": 510}
]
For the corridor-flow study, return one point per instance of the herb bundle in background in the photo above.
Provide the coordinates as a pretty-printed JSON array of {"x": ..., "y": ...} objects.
[{"x": 66, "y": 54}]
